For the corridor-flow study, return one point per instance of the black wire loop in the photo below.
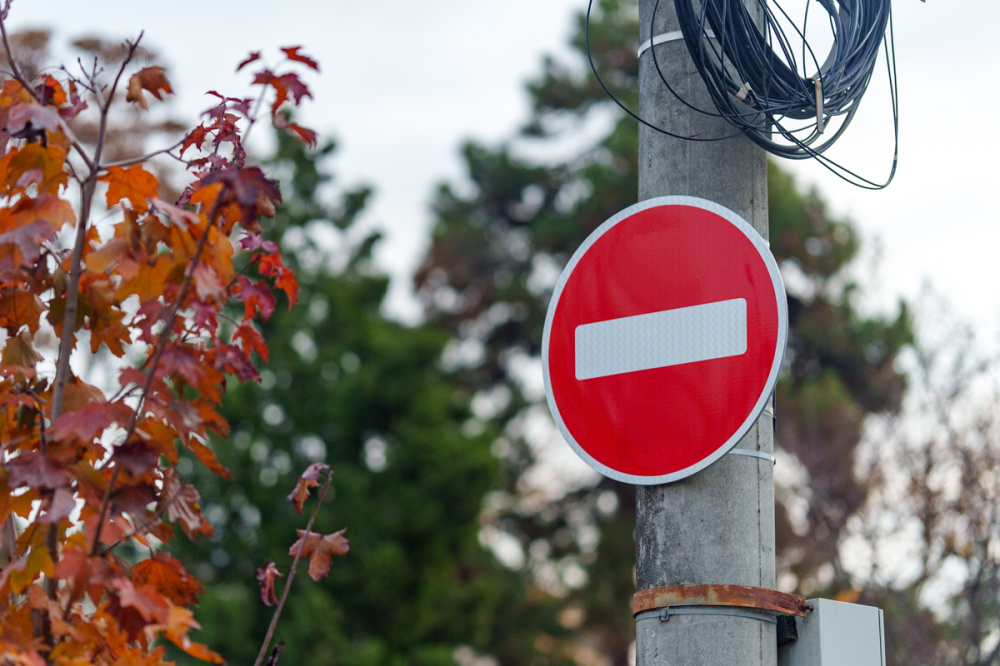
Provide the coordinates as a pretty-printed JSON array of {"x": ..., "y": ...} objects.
[{"x": 786, "y": 102}]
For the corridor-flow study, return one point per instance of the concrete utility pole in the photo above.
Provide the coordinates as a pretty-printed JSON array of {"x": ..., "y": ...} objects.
[{"x": 716, "y": 527}]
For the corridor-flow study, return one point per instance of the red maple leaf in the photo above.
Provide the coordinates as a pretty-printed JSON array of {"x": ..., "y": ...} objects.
[
  {"x": 254, "y": 56},
  {"x": 195, "y": 137},
  {"x": 90, "y": 421},
  {"x": 284, "y": 279},
  {"x": 183, "y": 504},
  {"x": 256, "y": 297},
  {"x": 35, "y": 470},
  {"x": 292, "y": 53},
  {"x": 251, "y": 340}
]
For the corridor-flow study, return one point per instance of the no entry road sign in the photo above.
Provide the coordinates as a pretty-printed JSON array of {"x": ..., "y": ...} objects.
[{"x": 663, "y": 339}]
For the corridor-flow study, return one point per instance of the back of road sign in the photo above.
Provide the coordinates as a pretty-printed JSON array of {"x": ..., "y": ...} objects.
[{"x": 663, "y": 339}]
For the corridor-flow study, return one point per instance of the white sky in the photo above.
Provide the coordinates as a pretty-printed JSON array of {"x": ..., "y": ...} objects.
[{"x": 403, "y": 83}]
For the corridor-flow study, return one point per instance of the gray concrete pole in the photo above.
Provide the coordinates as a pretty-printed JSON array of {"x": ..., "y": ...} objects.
[{"x": 718, "y": 525}]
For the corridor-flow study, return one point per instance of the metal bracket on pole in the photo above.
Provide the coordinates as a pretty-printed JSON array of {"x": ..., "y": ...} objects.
[
  {"x": 664, "y": 615},
  {"x": 733, "y": 597}
]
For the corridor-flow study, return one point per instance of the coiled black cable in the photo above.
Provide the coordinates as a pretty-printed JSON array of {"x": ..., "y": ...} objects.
[{"x": 792, "y": 107}]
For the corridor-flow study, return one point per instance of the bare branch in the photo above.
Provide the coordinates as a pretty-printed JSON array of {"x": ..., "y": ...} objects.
[
  {"x": 132, "y": 48},
  {"x": 142, "y": 158}
]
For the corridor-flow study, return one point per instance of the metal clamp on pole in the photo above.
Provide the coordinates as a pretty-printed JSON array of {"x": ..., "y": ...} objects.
[
  {"x": 739, "y": 600},
  {"x": 664, "y": 615}
]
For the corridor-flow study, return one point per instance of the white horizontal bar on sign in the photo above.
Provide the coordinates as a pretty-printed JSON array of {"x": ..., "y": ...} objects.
[{"x": 661, "y": 339}]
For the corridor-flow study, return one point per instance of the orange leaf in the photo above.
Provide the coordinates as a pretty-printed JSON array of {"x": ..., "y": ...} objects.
[
  {"x": 208, "y": 458},
  {"x": 320, "y": 550},
  {"x": 145, "y": 599},
  {"x": 299, "y": 496},
  {"x": 54, "y": 91},
  {"x": 19, "y": 350},
  {"x": 265, "y": 576},
  {"x": 251, "y": 340},
  {"x": 22, "y": 572},
  {"x": 309, "y": 479},
  {"x": 151, "y": 79},
  {"x": 306, "y": 136},
  {"x": 167, "y": 576},
  {"x": 181, "y": 621},
  {"x": 89, "y": 422},
  {"x": 79, "y": 394},
  {"x": 148, "y": 282},
  {"x": 208, "y": 284},
  {"x": 36, "y": 164},
  {"x": 19, "y": 307},
  {"x": 183, "y": 499},
  {"x": 134, "y": 183},
  {"x": 284, "y": 279},
  {"x": 101, "y": 259}
]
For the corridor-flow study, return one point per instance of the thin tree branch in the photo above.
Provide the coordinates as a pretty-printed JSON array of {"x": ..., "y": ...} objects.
[
  {"x": 142, "y": 158},
  {"x": 76, "y": 264},
  {"x": 291, "y": 574},
  {"x": 132, "y": 46},
  {"x": 72, "y": 298}
]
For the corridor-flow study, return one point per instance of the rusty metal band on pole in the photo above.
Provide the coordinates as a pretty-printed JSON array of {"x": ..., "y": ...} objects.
[{"x": 741, "y": 596}]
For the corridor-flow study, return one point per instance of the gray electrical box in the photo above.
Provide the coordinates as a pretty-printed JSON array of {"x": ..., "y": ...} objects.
[{"x": 836, "y": 634}]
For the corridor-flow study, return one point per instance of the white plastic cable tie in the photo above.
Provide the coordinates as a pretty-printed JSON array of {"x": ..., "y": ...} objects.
[
  {"x": 818, "y": 83},
  {"x": 741, "y": 94},
  {"x": 754, "y": 454},
  {"x": 666, "y": 37}
]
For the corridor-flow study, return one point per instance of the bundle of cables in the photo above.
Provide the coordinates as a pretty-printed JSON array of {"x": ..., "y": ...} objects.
[{"x": 770, "y": 85}]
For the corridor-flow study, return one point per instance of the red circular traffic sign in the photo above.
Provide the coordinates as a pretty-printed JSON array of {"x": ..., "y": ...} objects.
[{"x": 663, "y": 339}]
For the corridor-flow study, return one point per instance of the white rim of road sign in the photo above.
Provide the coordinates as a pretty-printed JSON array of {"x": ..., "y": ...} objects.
[{"x": 782, "y": 302}]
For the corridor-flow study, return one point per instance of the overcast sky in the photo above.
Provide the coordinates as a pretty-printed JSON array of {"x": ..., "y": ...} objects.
[{"x": 403, "y": 83}]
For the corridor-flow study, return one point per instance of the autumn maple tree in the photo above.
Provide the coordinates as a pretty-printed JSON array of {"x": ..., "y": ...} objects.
[{"x": 92, "y": 258}]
